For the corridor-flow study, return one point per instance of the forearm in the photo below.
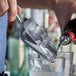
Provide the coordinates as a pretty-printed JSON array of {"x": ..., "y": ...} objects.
[{"x": 36, "y": 3}]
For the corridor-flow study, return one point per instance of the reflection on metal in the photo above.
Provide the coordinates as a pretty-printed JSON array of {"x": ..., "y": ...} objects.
[
  {"x": 59, "y": 66},
  {"x": 40, "y": 67},
  {"x": 68, "y": 62},
  {"x": 36, "y": 37}
]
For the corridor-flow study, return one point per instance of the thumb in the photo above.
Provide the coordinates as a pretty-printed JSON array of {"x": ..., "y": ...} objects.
[{"x": 18, "y": 9}]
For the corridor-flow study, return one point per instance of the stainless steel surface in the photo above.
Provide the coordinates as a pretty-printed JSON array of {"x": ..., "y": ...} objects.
[
  {"x": 36, "y": 37},
  {"x": 19, "y": 20}
]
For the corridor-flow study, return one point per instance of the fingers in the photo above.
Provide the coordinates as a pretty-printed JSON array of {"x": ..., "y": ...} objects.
[
  {"x": 18, "y": 12},
  {"x": 18, "y": 9},
  {"x": 12, "y": 12},
  {"x": 11, "y": 7},
  {"x": 3, "y": 6}
]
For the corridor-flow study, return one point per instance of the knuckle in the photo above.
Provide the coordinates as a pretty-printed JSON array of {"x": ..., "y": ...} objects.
[
  {"x": 12, "y": 1},
  {"x": 5, "y": 8},
  {"x": 13, "y": 15},
  {"x": 13, "y": 12}
]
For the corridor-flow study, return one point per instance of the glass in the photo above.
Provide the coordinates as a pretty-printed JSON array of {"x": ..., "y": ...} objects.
[{"x": 40, "y": 67}]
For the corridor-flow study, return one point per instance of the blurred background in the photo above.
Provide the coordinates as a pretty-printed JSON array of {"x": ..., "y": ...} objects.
[{"x": 21, "y": 60}]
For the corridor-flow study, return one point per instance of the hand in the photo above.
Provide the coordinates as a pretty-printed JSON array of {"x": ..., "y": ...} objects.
[
  {"x": 10, "y": 6},
  {"x": 64, "y": 9}
]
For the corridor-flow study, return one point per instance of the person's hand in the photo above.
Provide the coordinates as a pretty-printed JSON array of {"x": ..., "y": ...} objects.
[
  {"x": 64, "y": 10},
  {"x": 10, "y": 6}
]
